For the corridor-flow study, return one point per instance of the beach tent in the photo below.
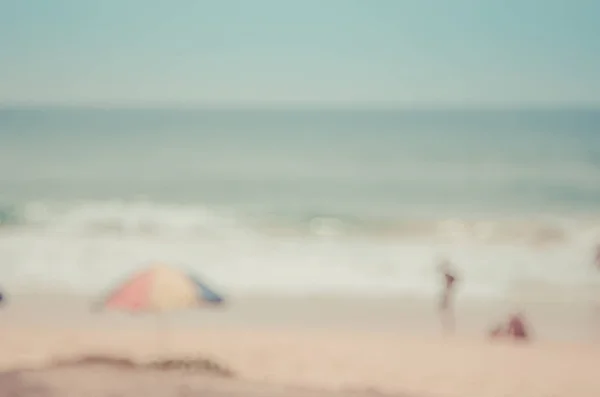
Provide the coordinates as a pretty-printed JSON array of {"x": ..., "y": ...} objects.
[
  {"x": 158, "y": 289},
  {"x": 161, "y": 288}
]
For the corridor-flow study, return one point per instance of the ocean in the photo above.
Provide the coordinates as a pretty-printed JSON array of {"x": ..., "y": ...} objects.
[{"x": 302, "y": 201}]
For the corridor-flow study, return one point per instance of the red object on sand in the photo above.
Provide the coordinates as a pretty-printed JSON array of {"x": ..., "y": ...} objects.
[
  {"x": 517, "y": 328},
  {"x": 513, "y": 328}
]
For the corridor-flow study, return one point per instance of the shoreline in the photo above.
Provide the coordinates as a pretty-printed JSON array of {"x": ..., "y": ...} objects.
[{"x": 403, "y": 313}]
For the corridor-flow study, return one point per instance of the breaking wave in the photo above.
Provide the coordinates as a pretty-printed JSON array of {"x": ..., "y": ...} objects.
[{"x": 86, "y": 245}]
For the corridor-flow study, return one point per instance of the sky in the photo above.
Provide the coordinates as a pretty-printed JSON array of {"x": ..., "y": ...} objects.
[{"x": 189, "y": 52}]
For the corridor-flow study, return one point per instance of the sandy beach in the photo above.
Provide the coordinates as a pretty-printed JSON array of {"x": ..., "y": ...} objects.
[
  {"x": 298, "y": 346},
  {"x": 299, "y": 199}
]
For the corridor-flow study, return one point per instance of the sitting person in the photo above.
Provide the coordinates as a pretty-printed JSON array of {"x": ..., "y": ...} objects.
[{"x": 514, "y": 328}]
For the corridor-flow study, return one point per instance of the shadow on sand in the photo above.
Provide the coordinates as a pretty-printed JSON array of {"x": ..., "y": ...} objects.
[
  {"x": 18, "y": 384},
  {"x": 197, "y": 365},
  {"x": 114, "y": 371}
]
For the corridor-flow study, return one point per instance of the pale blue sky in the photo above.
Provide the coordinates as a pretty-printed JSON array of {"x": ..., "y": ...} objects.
[{"x": 329, "y": 51}]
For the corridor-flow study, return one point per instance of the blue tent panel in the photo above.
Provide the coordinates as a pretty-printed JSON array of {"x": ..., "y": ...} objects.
[{"x": 205, "y": 293}]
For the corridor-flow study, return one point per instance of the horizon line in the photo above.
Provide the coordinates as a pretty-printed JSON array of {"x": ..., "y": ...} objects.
[{"x": 296, "y": 105}]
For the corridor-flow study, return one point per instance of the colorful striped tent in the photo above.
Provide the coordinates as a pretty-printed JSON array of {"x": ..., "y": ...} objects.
[
  {"x": 158, "y": 289},
  {"x": 161, "y": 288}
]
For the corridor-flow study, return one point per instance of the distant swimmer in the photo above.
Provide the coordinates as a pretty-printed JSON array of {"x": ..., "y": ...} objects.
[{"x": 446, "y": 301}]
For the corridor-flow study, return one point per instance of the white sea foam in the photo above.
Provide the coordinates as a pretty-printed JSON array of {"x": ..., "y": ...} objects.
[{"x": 88, "y": 246}]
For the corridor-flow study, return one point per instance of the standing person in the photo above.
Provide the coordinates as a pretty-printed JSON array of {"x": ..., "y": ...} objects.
[
  {"x": 446, "y": 303},
  {"x": 596, "y": 304}
]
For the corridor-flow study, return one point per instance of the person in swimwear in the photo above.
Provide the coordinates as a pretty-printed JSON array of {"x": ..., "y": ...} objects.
[
  {"x": 514, "y": 328},
  {"x": 446, "y": 301}
]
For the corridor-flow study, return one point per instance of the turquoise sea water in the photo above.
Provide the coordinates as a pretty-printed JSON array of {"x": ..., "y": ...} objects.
[{"x": 300, "y": 200}]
